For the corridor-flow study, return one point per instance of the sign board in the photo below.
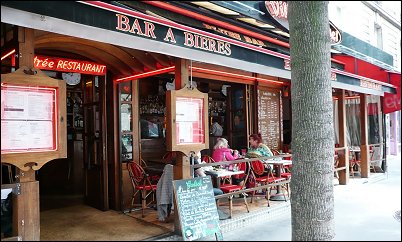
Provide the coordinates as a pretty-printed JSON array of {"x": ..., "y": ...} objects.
[
  {"x": 187, "y": 128},
  {"x": 33, "y": 111},
  {"x": 269, "y": 117},
  {"x": 197, "y": 208}
]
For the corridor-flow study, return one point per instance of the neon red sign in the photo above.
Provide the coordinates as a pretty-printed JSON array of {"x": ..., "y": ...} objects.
[{"x": 69, "y": 65}]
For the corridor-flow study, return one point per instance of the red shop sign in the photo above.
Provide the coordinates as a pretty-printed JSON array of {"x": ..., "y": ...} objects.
[{"x": 69, "y": 65}]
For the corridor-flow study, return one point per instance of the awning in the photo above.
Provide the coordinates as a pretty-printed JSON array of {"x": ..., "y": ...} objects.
[{"x": 392, "y": 102}]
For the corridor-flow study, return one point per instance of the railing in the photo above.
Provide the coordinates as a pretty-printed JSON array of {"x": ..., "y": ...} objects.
[
  {"x": 340, "y": 168},
  {"x": 248, "y": 160}
]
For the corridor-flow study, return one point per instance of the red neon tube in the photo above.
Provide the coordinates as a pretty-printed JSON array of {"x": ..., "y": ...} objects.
[
  {"x": 8, "y": 54},
  {"x": 216, "y": 22},
  {"x": 221, "y": 24},
  {"x": 146, "y": 74}
]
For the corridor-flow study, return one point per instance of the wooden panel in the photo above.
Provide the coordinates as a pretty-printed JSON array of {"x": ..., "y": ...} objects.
[
  {"x": 26, "y": 222},
  {"x": 96, "y": 48},
  {"x": 142, "y": 57},
  {"x": 162, "y": 59},
  {"x": 26, "y": 47},
  {"x": 152, "y": 149}
]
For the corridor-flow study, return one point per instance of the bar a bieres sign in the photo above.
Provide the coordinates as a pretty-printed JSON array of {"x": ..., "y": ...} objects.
[{"x": 278, "y": 11}]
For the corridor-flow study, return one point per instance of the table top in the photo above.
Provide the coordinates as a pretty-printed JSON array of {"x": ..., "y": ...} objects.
[
  {"x": 279, "y": 162},
  {"x": 222, "y": 172}
]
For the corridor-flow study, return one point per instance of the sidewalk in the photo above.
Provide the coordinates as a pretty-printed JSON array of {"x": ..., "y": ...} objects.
[{"x": 365, "y": 210}]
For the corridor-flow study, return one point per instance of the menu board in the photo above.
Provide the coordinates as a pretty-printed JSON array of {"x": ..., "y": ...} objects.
[
  {"x": 189, "y": 120},
  {"x": 197, "y": 208},
  {"x": 269, "y": 119},
  {"x": 28, "y": 119}
]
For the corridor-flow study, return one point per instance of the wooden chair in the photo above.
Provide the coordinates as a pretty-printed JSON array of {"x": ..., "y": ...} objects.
[
  {"x": 227, "y": 187},
  {"x": 169, "y": 157},
  {"x": 141, "y": 184}
]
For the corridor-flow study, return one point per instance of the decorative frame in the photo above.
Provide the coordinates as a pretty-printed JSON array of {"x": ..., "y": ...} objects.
[
  {"x": 32, "y": 100},
  {"x": 187, "y": 120}
]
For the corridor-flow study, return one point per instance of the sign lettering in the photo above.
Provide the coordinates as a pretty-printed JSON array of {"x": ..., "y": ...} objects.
[
  {"x": 277, "y": 9},
  {"x": 146, "y": 29},
  {"x": 68, "y": 65},
  {"x": 279, "y": 12},
  {"x": 369, "y": 84}
]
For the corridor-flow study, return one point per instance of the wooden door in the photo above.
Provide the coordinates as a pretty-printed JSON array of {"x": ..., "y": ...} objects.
[{"x": 95, "y": 164}]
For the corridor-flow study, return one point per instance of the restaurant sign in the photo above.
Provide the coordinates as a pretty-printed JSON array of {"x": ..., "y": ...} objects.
[
  {"x": 68, "y": 65},
  {"x": 278, "y": 11}
]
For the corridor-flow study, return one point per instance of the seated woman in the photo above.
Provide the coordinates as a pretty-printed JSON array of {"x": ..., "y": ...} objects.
[
  {"x": 222, "y": 152},
  {"x": 257, "y": 148}
]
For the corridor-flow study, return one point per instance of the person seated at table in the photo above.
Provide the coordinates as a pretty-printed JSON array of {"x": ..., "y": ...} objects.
[
  {"x": 257, "y": 148},
  {"x": 200, "y": 172},
  {"x": 222, "y": 152}
]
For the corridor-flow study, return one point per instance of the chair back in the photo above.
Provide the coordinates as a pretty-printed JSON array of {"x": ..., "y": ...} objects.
[
  {"x": 258, "y": 167},
  {"x": 243, "y": 166},
  {"x": 275, "y": 152},
  {"x": 136, "y": 172},
  {"x": 207, "y": 159},
  {"x": 169, "y": 157}
]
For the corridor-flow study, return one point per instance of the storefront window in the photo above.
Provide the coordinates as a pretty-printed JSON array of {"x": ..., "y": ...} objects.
[
  {"x": 353, "y": 121},
  {"x": 125, "y": 117},
  {"x": 126, "y": 124},
  {"x": 127, "y": 147}
]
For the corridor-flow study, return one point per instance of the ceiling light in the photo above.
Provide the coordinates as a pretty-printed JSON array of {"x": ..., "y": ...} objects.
[
  {"x": 256, "y": 23},
  {"x": 216, "y": 8},
  {"x": 281, "y": 33}
]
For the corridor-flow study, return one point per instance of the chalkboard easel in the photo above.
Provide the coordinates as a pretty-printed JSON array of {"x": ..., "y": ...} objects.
[{"x": 197, "y": 208}]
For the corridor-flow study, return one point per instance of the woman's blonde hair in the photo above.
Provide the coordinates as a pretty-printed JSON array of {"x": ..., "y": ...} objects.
[{"x": 221, "y": 143}]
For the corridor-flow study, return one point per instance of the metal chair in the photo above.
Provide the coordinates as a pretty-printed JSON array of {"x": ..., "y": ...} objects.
[
  {"x": 227, "y": 187},
  {"x": 261, "y": 176},
  {"x": 141, "y": 184}
]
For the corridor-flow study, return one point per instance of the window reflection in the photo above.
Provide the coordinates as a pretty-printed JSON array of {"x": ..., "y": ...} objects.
[
  {"x": 127, "y": 147},
  {"x": 125, "y": 117}
]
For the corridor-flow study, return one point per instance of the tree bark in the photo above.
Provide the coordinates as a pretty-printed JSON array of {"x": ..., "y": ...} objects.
[{"x": 312, "y": 131}]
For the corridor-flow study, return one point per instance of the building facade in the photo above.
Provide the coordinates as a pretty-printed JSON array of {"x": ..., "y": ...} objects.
[{"x": 375, "y": 37}]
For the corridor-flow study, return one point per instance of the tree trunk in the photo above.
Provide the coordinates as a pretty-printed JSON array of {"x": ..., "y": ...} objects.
[{"x": 312, "y": 131}]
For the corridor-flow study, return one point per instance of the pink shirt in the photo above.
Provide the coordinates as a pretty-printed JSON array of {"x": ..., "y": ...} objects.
[{"x": 218, "y": 155}]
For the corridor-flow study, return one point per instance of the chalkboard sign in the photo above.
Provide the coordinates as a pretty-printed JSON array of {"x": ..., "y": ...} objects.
[
  {"x": 269, "y": 119},
  {"x": 197, "y": 208}
]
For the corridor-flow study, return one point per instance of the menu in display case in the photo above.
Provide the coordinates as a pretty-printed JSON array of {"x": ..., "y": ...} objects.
[
  {"x": 187, "y": 120},
  {"x": 269, "y": 119},
  {"x": 28, "y": 119}
]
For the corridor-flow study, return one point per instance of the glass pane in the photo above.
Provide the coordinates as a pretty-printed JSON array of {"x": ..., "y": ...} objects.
[
  {"x": 189, "y": 120},
  {"x": 125, "y": 117},
  {"x": 89, "y": 90},
  {"x": 125, "y": 91},
  {"x": 127, "y": 147}
]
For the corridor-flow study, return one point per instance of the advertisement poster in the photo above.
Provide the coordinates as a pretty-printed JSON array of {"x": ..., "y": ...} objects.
[{"x": 28, "y": 119}]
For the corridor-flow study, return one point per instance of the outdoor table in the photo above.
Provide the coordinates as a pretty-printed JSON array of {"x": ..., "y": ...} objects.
[{"x": 221, "y": 173}]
